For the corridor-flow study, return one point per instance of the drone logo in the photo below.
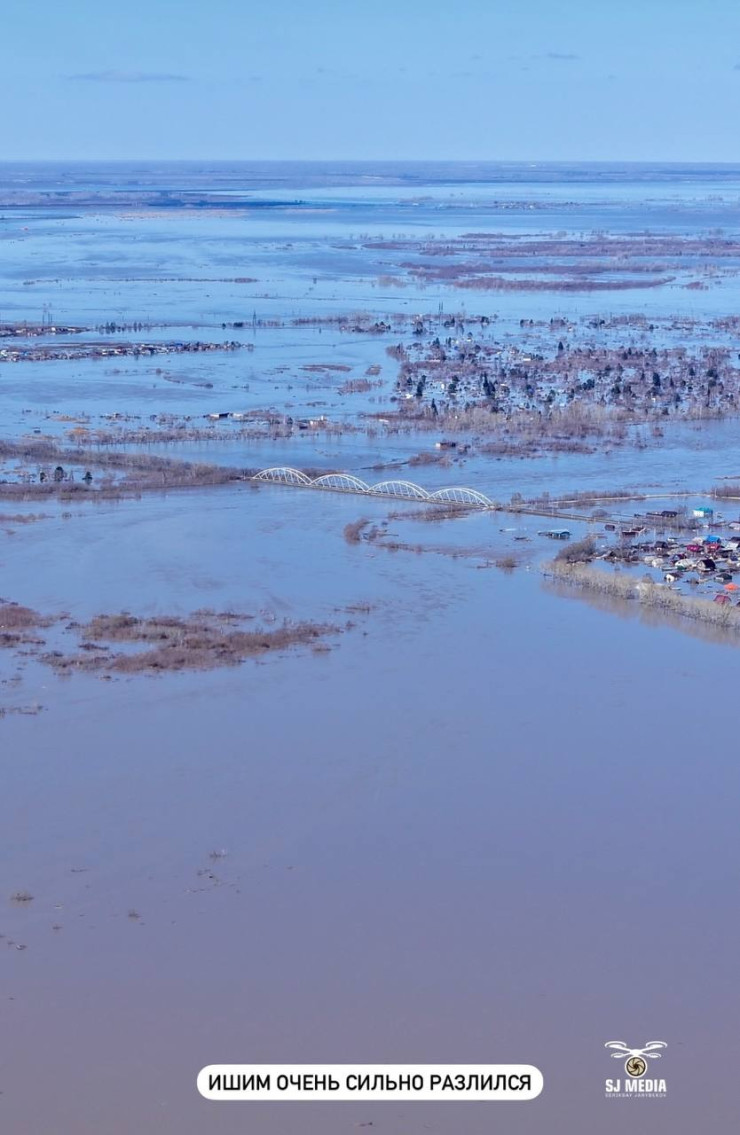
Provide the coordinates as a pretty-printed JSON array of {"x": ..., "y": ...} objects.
[{"x": 636, "y": 1063}]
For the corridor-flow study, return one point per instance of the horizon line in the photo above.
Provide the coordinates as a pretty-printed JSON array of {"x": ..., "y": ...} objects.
[{"x": 378, "y": 161}]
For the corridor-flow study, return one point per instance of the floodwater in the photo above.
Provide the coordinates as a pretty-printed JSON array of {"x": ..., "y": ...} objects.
[{"x": 491, "y": 824}]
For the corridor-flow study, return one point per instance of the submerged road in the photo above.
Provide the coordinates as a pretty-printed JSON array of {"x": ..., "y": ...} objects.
[{"x": 457, "y": 496}]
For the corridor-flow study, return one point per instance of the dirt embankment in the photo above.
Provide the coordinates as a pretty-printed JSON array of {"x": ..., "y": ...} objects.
[{"x": 101, "y": 474}]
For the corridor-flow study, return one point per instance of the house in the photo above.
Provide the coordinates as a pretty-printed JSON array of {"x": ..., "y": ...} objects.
[{"x": 703, "y": 513}]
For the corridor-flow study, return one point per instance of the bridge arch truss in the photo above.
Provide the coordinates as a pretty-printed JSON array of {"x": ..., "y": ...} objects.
[{"x": 396, "y": 489}]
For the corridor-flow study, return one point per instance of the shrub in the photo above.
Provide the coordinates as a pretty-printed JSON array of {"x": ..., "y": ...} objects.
[{"x": 579, "y": 552}]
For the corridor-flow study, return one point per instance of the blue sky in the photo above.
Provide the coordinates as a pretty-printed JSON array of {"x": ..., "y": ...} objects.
[{"x": 478, "y": 79}]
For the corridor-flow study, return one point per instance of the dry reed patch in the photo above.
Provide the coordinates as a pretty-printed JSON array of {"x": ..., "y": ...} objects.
[
  {"x": 22, "y": 517},
  {"x": 353, "y": 532},
  {"x": 358, "y": 386},
  {"x": 202, "y": 641},
  {"x": 14, "y": 617}
]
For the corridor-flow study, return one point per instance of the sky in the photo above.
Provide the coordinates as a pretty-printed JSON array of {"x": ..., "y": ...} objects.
[{"x": 520, "y": 80}]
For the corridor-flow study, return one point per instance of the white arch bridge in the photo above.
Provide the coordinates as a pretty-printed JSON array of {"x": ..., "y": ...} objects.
[{"x": 400, "y": 490}]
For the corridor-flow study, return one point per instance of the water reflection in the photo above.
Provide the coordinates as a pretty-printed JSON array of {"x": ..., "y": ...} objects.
[{"x": 649, "y": 616}]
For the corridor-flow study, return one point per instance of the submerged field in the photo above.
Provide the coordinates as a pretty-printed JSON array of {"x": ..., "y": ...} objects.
[{"x": 298, "y": 776}]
